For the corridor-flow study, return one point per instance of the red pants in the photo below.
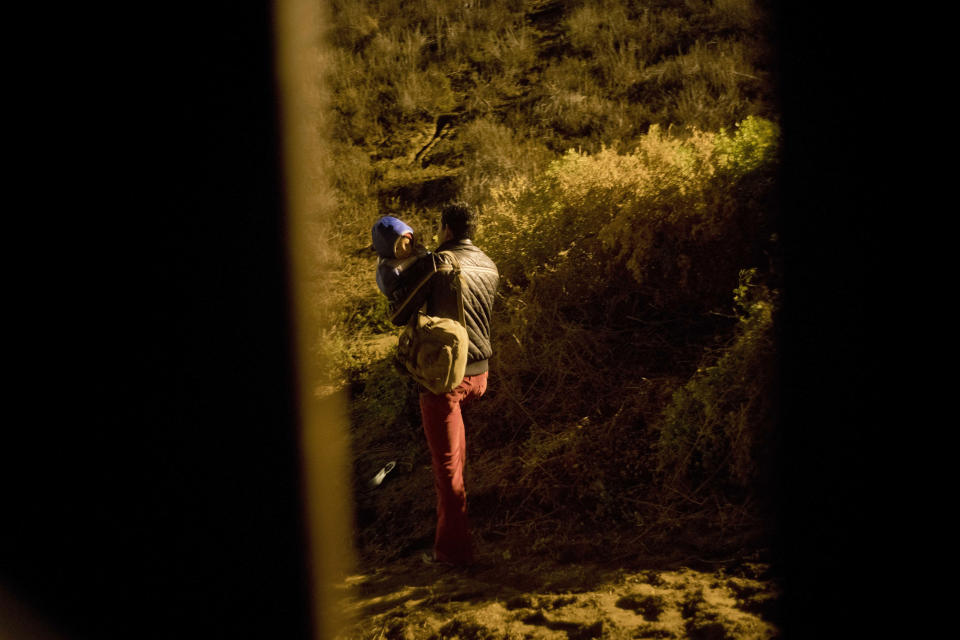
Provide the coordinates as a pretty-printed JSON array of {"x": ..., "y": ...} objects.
[{"x": 443, "y": 426}]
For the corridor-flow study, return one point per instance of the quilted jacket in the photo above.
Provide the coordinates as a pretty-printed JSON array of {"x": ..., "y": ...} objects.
[{"x": 430, "y": 281}]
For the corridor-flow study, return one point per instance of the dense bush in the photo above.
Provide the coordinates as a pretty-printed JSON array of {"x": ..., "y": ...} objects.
[
  {"x": 686, "y": 229},
  {"x": 672, "y": 212},
  {"x": 719, "y": 425},
  {"x": 609, "y": 380}
]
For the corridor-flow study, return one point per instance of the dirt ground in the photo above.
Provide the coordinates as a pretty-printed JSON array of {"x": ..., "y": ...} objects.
[{"x": 502, "y": 598}]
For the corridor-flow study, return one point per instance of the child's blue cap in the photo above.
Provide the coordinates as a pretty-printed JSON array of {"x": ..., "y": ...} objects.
[{"x": 385, "y": 233}]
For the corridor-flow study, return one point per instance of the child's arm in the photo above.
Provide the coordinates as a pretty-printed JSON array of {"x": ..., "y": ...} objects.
[
  {"x": 413, "y": 287},
  {"x": 390, "y": 275}
]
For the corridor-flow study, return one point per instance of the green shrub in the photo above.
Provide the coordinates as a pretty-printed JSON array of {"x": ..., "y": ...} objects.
[
  {"x": 669, "y": 212},
  {"x": 685, "y": 231},
  {"x": 718, "y": 426}
]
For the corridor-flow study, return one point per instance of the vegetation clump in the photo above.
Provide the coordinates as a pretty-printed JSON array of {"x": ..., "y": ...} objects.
[
  {"x": 719, "y": 425},
  {"x": 624, "y": 161}
]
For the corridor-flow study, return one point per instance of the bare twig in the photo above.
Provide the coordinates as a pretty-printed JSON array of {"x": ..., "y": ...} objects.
[{"x": 685, "y": 496}]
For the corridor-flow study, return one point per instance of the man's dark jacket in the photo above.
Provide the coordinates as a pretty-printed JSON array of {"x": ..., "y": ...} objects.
[{"x": 431, "y": 280}]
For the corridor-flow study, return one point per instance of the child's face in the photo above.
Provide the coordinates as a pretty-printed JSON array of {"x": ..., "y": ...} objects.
[{"x": 404, "y": 246}]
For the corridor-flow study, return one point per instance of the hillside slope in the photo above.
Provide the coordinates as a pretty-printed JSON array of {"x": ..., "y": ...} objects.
[{"x": 632, "y": 395}]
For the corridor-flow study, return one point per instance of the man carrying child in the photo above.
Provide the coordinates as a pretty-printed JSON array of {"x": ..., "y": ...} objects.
[{"x": 425, "y": 283}]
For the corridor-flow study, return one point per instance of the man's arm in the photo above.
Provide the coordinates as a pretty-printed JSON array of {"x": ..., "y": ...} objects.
[{"x": 417, "y": 281}]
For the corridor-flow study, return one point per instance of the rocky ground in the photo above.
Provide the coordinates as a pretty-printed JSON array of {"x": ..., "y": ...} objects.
[{"x": 504, "y": 598}]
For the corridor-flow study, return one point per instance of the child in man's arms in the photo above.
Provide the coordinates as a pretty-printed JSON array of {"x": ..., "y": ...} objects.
[{"x": 395, "y": 243}]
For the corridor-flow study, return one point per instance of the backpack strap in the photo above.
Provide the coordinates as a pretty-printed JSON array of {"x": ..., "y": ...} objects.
[{"x": 410, "y": 296}]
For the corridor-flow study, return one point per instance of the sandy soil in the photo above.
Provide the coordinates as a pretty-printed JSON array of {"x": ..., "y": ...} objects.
[{"x": 502, "y": 598}]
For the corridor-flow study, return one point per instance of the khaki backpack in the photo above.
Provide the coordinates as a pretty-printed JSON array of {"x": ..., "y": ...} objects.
[{"x": 434, "y": 349}]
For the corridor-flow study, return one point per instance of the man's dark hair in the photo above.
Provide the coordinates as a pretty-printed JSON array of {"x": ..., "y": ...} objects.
[{"x": 461, "y": 219}]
